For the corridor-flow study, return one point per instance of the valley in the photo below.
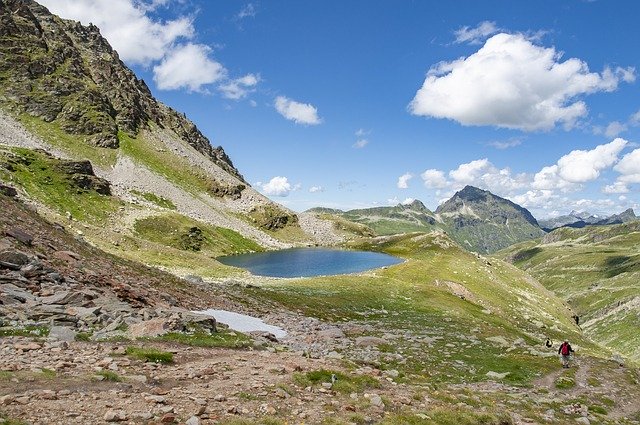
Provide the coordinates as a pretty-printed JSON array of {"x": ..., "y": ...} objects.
[{"x": 115, "y": 208}]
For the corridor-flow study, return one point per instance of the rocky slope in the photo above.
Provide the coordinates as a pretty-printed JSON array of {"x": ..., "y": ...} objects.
[
  {"x": 63, "y": 89},
  {"x": 68, "y": 74}
]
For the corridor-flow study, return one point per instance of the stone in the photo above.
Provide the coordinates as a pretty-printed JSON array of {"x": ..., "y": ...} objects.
[
  {"x": 14, "y": 257},
  {"x": 8, "y": 190},
  {"x": 20, "y": 236},
  {"x": 168, "y": 418},
  {"x": 583, "y": 420},
  {"x": 149, "y": 328},
  {"x": 62, "y": 333},
  {"x": 194, "y": 420},
  {"x": 331, "y": 333},
  {"x": 497, "y": 375},
  {"x": 369, "y": 341},
  {"x": 115, "y": 416},
  {"x": 500, "y": 340}
]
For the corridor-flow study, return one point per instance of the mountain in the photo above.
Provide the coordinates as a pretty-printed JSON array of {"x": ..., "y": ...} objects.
[
  {"x": 64, "y": 90},
  {"x": 484, "y": 222},
  {"x": 578, "y": 220},
  {"x": 626, "y": 216},
  {"x": 595, "y": 270},
  {"x": 114, "y": 210},
  {"x": 413, "y": 217}
]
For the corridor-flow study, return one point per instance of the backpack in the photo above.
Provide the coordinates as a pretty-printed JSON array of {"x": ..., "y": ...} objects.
[{"x": 565, "y": 349}]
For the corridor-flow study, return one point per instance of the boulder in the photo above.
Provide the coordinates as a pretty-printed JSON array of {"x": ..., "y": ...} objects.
[
  {"x": 20, "y": 236},
  {"x": 149, "y": 328},
  {"x": 369, "y": 341},
  {"x": 15, "y": 258}
]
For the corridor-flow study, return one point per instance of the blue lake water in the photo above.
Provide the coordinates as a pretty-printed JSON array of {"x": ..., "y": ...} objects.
[{"x": 307, "y": 262}]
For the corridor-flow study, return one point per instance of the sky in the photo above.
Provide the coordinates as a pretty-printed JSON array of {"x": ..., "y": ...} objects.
[{"x": 354, "y": 104}]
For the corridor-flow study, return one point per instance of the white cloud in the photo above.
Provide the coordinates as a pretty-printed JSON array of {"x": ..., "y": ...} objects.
[
  {"x": 536, "y": 199},
  {"x": 512, "y": 83},
  {"x": 408, "y": 201},
  {"x": 403, "y": 180},
  {"x": 614, "y": 128},
  {"x": 361, "y": 132},
  {"x": 434, "y": 179},
  {"x": 634, "y": 119},
  {"x": 137, "y": 38},
  {"x": 248, "y": 11},
  {"x": 277, "y": 186},
  {"x": 548, "y": 179},
  {"x": 629, "y": 167},
  {"x": 239, "y": 88},
  {"x": 581, "y": 166},
  {"x": 469, "y": 172},
  {"x": 476, "y": 35},
  {"x": 314, "y": 189},
  {"x": 188, "y": 67},
  {"x": 505, "y": 144},
  {"x": 360, "y": 143},
  {"x": 617, "y": 187},
  {"x": 300, "y": 113}
]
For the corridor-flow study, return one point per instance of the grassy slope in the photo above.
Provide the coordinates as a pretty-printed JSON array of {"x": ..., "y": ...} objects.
[
  {"x": 412, "y": 301},
  {"x": 596, "y": 270}
]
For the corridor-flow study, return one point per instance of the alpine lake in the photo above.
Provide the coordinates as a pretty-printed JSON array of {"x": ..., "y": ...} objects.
[{"x": 309, "y": 262}]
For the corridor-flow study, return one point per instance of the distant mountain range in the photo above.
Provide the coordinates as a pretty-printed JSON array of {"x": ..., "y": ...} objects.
[
  {"x": 477, "y": 219},
  {"x": 579, "y": 219}
]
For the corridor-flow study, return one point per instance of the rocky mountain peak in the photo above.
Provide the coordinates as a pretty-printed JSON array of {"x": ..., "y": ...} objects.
[
  {"x": 64, "y": 72},
  {"x": 416, "y": 205}
]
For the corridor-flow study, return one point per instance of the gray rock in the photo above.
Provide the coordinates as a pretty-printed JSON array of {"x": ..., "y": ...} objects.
[
  {"x": 62, "y": 333},
  {"x": 115, "y": 416},
  {"x": 194, "y": 420},
  {"x": 16, "y": 258},
  {"x": 369, "y": 341}
]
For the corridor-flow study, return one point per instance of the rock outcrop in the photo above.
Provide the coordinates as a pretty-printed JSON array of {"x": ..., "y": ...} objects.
[{"x": 61, "y": 71}]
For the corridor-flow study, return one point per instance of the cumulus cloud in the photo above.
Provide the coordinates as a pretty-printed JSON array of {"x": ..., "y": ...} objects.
[
  {"x": 634, "y": 119},
  {"x": 477, "y": 34},
  {"x": 277, "y": 186},
  {"x": 408, "y": 201},
  {"x": 629, "y": 167},
  {"x": 403, "y": 180},
  {"x": 189, "y": 67},
  {"x": 239, "y": 88},
  {"x": 614, "y": 128},
  {"x": 580, "y": 166},
  {"x": 434, "y": 179},
  {"x": 512, "y": 83},
  {"x": 360, "y": 143},
  {"x": 300, "y": 113},
  {"x": 617, "y": 187},
  {"x": 314, "y": 189}
]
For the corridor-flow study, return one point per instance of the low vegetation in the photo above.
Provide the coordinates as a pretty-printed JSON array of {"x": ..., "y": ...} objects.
[{"x": 149, "y": 354}]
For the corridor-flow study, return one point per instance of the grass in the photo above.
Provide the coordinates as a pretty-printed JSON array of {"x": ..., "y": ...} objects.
[
  {"x": 40, "y": 177},
  {"x": 414, "y": 299},
  {"x": 149, "y": 354},
  {"x": 6, "y": 420},
  {"x": 223, "y": 339},
  {"x": 155, "y": 199},
  {"x": 84, "y": 336},
  {"x": 171, "y": 230},
  {"x": 109, "y": 375},
  {"x": 344, "y": 383},
  {"x": 595, "y": 269},
  {"x": 449, "y": 416},
  {"x": 32, "y": 331},
  {"x": 70, "y": 143}
]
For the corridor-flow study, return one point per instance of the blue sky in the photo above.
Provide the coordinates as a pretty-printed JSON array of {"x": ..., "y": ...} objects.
[{"x": 352, "y": 104}]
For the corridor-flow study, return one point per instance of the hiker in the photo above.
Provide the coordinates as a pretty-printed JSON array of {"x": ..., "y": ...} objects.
[
  {"x": 565, "y": 351},
  {"x": 577, "y": 319},
  {"x": 548, "y": 344}
]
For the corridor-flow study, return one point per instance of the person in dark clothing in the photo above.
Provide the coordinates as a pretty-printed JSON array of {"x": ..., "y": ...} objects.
[
  {"x": 548, "y": 343},
  {"x": 565, "y": 351}
]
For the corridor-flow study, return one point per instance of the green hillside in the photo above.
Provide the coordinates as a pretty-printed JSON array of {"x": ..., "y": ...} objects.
[{"x": 596, "y": 270}]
